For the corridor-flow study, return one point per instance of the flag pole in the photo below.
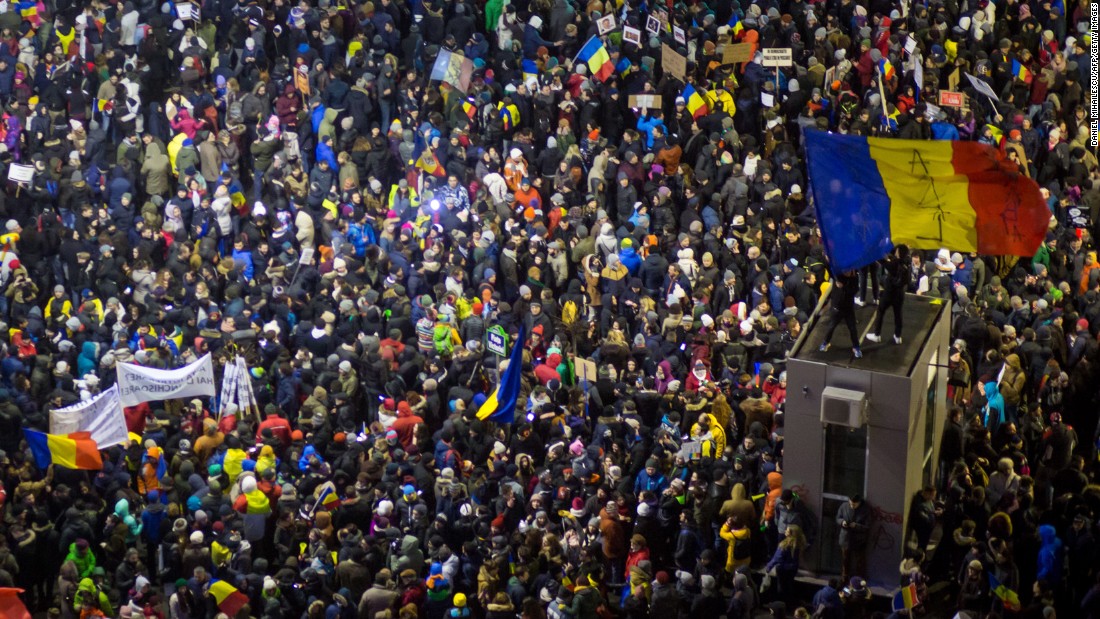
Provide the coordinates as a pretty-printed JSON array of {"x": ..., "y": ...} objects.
[{"x": 882, "y": 93}]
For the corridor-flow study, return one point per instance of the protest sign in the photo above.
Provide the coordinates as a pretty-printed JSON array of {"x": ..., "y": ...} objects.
[{"x": 139, "y": 384}]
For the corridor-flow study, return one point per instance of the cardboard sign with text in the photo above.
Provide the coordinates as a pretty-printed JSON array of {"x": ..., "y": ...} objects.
[{"x": 738, "y": 52}]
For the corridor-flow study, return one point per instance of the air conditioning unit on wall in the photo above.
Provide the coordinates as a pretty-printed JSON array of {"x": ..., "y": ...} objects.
[{"x": 843, "y": 407}]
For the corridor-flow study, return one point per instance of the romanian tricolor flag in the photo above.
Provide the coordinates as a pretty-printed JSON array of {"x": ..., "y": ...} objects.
[
  {"x": 228, "y": 598},
  {"x": 430, "y": 164},
  {"x": 872, "y": 194},
  {"x": 1021, "y": 72},
  {"x": 469, "y": 107},
  {"x": 509, "y": 115},
  {"x": 886, "y": 68},
  {"x": 501, "y": 404},
  {"x": 1007, "y": 596},
  {"x": 327, "y": 497},
  {"x": 28, "y": 10},
  {"x": 736, "y": 27},
  {"x": 905, "y": 599},
  {"x": 73, "y": 451},
  {"x": 595, "y": 55},
  {"x": 530, "y": 70},
  {"x": 696, "y": 101}
]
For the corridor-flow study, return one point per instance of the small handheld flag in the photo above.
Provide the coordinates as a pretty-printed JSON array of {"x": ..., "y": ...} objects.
[
  {"x": 1008, "y": 597},
  {"x": 74, "y": 451},
  {"x": 501, "y": 404},
  {"x": 886, "y": 68},
  {"x": 736, "y": 27},
  {"x": 1021, "y": 72},
  {"x": 595, "y": 55},
  {"x": 530, "y": 70},
  {"x": 696, "y": 103},
  {"x": 327, "y": 497}
]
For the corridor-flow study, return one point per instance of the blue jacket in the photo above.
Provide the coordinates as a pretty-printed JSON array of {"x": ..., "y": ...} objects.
[
  {"x": 783, "y": 561},
  {"x": 630, "y": 259},
  {"x": 656, "y": 484},
  {"x": 647, "y": 124},
  {"x": 324, "y": 153},
  {"x": 243, "y": 259},
  {"x": 1050, "y": 556},
  {"x": 532, "y": 41},
  {"x": 995, "y": 407}
]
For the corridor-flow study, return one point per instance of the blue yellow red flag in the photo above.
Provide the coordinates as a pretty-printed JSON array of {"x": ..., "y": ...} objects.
[
  {"x": 1009, "y": 599},
  {"x": 72, "y": 451},
  {"x": 595, "y": 55},
  {"x": 1021, "y": 72},
  {"x": 871, "y": 194},
  {"x": 695, "y": 101},
  {"x": 886, "y": 68},
  {"x": 501, "y": 404}
]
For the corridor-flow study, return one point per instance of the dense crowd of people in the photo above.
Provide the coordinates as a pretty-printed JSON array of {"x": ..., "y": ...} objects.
[{"x": 284, "y": 182}]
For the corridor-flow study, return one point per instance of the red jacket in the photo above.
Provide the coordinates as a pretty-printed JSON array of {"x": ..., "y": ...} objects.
[
  {"x": 405, "y": 424},
  {"x": 279, "y": 427}
]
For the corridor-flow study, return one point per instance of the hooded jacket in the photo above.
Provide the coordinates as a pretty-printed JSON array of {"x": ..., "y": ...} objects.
[{"x": 1050, "y": 556}]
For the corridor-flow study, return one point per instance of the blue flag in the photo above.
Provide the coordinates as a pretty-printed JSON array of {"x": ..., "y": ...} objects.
[{"x": 501, "y": 404}]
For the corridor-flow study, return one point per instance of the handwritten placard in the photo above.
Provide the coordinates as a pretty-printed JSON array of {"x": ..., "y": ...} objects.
[{"x": 738, "y": 52}]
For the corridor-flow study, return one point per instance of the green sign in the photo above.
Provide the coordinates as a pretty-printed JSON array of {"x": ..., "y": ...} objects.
[{"x": 496, "y": 340}]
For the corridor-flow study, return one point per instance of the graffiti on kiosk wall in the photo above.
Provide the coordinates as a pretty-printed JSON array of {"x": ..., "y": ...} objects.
[{"x": 885, "y": 517}]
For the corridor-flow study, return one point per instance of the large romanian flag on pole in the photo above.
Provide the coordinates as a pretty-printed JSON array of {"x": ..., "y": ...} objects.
[
  {"x": 501, "y": 404},
  {"x": 595, "y": 55},
  {"x": 72, "y": 451},
  {"x": 871, "y": 194}
]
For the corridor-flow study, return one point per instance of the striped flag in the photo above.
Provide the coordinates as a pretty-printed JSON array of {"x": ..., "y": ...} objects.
[
  {"x": 227, "y": 597},
  {"x": 530, "y": 70},
  {"x": 1021, "y": 72},
  {"x": 1008, "y": 597},
  {"x": 695, "y": 101},
  {"x": 886, "y": 68},
  {"x": 595, "y": 55},
  {"x": 501, "y": 404},
  {"x": 736, "y": 27},
  {"x": 72, "y": 451},
  {"x": 905, "y": 599},
  {"x": 327, "y": 497}
]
